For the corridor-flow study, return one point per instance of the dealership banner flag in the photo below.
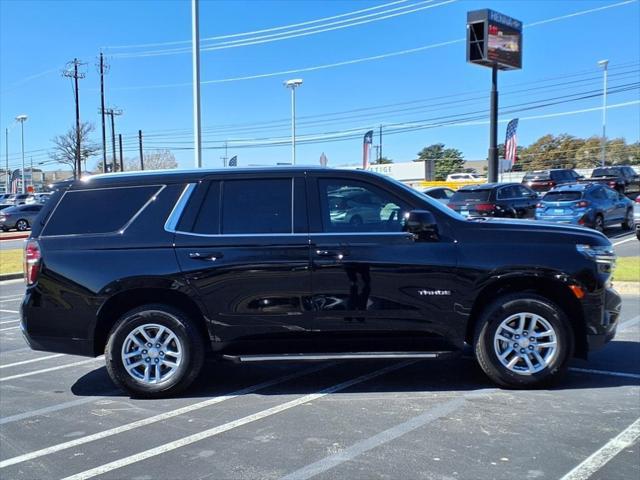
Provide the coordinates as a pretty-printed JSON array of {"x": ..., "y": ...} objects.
[
  {"x": 511, "y": 142},
  {"x": 234, "y": 161},
  {"x": 366, "y": 149}
]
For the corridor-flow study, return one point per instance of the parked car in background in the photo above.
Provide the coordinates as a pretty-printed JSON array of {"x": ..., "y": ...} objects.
[
  {"x": 592, "y": 205},
  {"x": 20, "y": 217},
  {"x": 23, "y": 199},
  {"x": 636, "y": 216},
  {"x": 442, "y": 194},
  {"x": 545, "y": 180},
  {"x": 355, "y": 206},
  {"x": 511, "y": 200},
  {"x": 466, "y": 177},
  {"x": 622, "y": 178},
  {"x": 42, "y": 197}
]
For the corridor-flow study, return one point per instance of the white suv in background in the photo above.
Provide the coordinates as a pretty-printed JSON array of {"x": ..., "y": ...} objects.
[
  {"x": 465, "y": 177},
  {"x": 636, "y": 216}
]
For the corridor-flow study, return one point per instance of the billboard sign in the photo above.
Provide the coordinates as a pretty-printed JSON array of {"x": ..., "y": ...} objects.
[{"x": 494, "y": 39}]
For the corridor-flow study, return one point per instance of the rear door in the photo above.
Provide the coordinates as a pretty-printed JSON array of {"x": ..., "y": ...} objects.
[
  {"x": 243, "y": 244},
  {"x": 375, "y": 287}
]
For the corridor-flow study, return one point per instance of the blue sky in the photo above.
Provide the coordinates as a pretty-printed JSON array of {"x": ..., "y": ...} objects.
[{"x": 37, "y": 38}]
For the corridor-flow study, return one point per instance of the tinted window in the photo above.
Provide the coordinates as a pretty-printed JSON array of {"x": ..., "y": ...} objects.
[
  {"x": 508, "y": 192},
  {"x": 607, "y": 171},
  {"x": 599, "y": 194},
  {"x": 471, "y": 195},
  {"x": 351, "y": 206},
  {"x": 208, "y": 218},
  {"x": 562, "y": 196},
  {"x": 256, "y": 206},
  {"x": 536, "y": 176},
  {"x": 612, "y": 194},
  {"x": 438, "y": 193},
  {"x": 525, "y": 192},
  {"x": 32, "y": 208},
  {"x": 97, "y": 211}
]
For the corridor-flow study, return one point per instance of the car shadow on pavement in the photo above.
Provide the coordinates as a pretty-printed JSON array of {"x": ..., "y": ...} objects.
[{"x": 464, "y": 374}]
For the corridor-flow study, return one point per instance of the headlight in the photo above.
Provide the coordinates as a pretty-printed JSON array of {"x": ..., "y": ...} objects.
[{"x": 602, "y": 255}]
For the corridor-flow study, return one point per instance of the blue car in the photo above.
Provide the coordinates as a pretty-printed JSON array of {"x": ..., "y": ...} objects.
[{"x": 591, "y": 205}]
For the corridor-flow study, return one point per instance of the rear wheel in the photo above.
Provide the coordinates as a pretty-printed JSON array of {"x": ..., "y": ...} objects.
[
  {"x": 22, "y": 225},
  {"x": 154, "y": 351},
  {"x": 627, "y": 224},
  {"x": 524, "y": 341},
  {"x": 598, "y": 223}
]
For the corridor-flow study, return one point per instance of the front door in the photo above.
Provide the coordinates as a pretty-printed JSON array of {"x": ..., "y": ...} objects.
[
  {"x": 375, "y": 288},
  {"x": 242, "y": 244}
]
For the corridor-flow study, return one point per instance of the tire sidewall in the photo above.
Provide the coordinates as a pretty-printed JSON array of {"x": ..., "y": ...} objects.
[
  {"x": 180, "y": 325},
  {"x": 497, "y": 313}
]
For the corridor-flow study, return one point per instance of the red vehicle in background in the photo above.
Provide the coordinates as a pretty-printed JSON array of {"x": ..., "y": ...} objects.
[{"x": 545, "y": 180}]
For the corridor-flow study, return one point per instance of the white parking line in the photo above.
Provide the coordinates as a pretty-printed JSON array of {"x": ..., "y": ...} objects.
[
  {"x": 10, "y": 328},
  {"x": 381, "y": 438},
  {"x": 615, "y": 244},
  {"x": 600, "y": 458},
  {"x": 46, "y": 370},
  {"x": 33, "y": 360},
  {"x": 53, "y": 408},
  {"x": 629, "y": 323},
  {"x": 12, "y": 298},
  {"x": 156, "y": 418},
  {"x": 9, "y": 311},
  {"x": 188, "y": 440},
  {"x": 9, "y": 321},
  {"x": 605, "y": 372}
]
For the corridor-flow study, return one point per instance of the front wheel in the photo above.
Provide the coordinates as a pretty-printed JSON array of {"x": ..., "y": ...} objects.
[
  {"x": 154, "y": 351},
  {"x": 524, "y": 341}
]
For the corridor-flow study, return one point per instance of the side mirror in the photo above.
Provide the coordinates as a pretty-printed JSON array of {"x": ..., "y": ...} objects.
[{"x": 422, "y": 224}]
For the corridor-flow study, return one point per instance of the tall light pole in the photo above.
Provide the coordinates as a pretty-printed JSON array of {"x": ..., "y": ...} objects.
[
  {"x": 195, "y": 60},
  {"x": 293, "y": 84},
  {"x": 6, "y": 159},
  {"x": 604, "y": 64},
  {"x": 22, "y": 118}
]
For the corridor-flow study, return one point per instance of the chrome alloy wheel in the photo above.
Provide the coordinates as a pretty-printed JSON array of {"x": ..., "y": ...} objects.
[
  {"x": 151, "y": 353},
  {"x": 525, "y": 343}
]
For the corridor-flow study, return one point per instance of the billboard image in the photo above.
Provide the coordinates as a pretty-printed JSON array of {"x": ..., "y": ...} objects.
[{"x": 503, "y": 46}]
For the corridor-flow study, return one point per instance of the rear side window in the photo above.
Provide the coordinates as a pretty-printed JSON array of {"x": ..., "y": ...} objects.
[
  {"x": 562, "y": 196},
  {"x": 257, "y": 206},
  {"x": 537, "y": 176},
  {"x": 471, "y": 195},
  {"x": 103, "y": 210},
  {"x": 607, "y": 171}
]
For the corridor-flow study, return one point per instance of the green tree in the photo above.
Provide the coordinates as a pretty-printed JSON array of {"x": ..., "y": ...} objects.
[
  {"x": 551, "y": 151},
  {"x": 381, "y": 161},
  {"x": 447, "y": 160}
]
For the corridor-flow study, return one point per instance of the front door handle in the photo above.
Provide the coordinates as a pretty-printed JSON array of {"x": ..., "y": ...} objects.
[{"x": 211, "y": 256}]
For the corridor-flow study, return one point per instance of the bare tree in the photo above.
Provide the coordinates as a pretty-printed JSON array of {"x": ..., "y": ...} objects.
[
  {"x": 155, "y": 160},
  {"x": 65, "y": 148}
]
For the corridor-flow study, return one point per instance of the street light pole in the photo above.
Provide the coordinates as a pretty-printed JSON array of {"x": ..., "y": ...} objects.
[
  {"x": 604, "y": 65},
  {"x": 6, "y": 158},
  {"x": 22, "y": 118},
  {"x": 293, "y": 84},
  {"x": 195, "y": 59}
]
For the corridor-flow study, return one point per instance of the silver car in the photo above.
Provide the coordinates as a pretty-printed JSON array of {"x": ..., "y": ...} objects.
[{"x": 20, "y": 217}]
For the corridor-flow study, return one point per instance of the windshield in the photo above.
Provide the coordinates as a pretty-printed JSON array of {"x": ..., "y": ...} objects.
[
  {"x": 607, "y": 171},
  {"x": 562, "y": 196},
  {"x": 471, "y": 196}
]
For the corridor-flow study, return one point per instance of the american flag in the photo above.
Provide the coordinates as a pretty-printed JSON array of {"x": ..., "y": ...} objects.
[
  {"x": 233, "y": 161},
  {"x": 366, "y": 149},
  {"x": 511, "y": 142}
]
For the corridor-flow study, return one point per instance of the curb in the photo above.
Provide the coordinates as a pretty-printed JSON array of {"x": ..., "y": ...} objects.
[
  {"x": 14, "y": 236},
  {"x": 11, "y": 276},
  {"x": 627, "y": 288}
]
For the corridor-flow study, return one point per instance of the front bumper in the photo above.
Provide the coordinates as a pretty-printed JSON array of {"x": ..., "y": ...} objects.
[{"x": 602, "y": 319}]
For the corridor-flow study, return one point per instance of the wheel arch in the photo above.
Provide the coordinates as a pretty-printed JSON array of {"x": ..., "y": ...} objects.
[
  {"x": 126, "y": 300},
  {"x": 553, "y": 289}
]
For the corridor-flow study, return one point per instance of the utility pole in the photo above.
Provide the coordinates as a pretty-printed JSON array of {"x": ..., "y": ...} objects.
[
  {"x": 113, "y": 112},
  {"x": 604, "y": 64},
  {"x": 140, "y": 147},
  {"x": 6, "y": 159},
  {"x": 121, "y": 157},
  {"x": 103, "y": 69},
  {"x": 225, "y": 158},
  {"x": 380, "y": 150},
  {"x": 31, "y": 168},
  {"x": 195, "y": 59},
  {"x": 76, "y": 76}
]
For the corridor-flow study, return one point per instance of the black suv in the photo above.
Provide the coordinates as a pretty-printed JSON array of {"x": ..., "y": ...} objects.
[{"x": 158, "y": 270}]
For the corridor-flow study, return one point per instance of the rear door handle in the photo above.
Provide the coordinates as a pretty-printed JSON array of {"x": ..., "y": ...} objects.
[
  {"x": 211, "y": 256},
  {"x": 339, "y": 254}
]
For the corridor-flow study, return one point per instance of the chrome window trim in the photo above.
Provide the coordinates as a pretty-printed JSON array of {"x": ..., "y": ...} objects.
[
  {"x": 176, "y": 212},
  {"x": 120, "y": 230},
  {"x": 309, "y": 234}
]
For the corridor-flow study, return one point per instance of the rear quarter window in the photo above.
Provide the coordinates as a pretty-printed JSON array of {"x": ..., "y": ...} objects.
[
  {"x": 102, "y": 210},
  {"x": 471, "y": 195}
]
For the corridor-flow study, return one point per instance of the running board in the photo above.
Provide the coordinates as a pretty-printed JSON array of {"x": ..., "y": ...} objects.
[{"x": 294, "y": 357}]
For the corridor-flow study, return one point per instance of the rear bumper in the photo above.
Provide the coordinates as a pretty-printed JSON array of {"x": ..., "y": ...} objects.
[{"x": 602, "y": 319}]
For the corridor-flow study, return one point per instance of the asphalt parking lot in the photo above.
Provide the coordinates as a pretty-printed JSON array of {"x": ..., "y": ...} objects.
[{"x": 60, "y": 417}]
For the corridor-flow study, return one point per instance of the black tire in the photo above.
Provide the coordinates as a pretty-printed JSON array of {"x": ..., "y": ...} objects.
[
  {"x": 190, "y": 340},
  {"x": 22, "y": 225},
  {"x": 627, "y": 224},
  {"x": 501, "y": 310},
  {"x": 356, "y": 221},
  {"x": 598, "y": 223}
]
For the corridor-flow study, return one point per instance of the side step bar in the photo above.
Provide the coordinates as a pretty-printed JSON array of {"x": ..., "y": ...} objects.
[{"x": 296, "y": 357}]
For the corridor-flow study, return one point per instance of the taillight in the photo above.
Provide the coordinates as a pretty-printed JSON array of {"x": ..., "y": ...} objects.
[
  {"x": 638, "y": 199},
  {"x": 612, "y": 183},
  {"x": 540, "y": 205},
  {"x": 32, "y": 257},
  {"x": 551, "y": 184},
  {"x": 582, "y": 204},
  {"x": 484, "y": 207}
]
